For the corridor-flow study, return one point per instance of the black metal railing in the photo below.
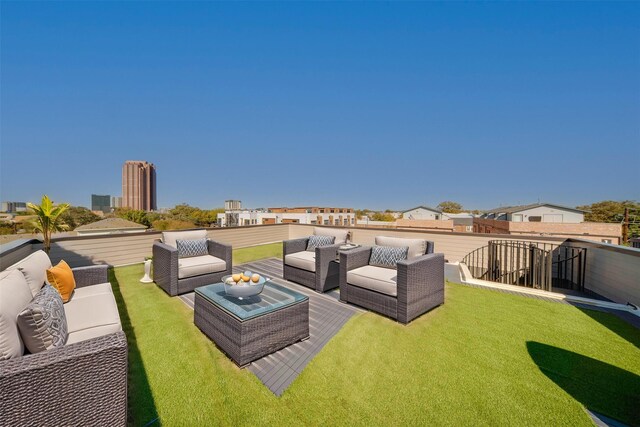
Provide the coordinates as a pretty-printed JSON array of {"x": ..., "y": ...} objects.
[{"x": 530, "y": 264}]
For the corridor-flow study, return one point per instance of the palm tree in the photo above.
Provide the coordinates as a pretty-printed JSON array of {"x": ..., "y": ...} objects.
[{"x": 48, "y": 219}]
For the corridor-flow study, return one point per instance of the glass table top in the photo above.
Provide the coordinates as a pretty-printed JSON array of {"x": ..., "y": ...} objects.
[{"x": 272, "y": 298}]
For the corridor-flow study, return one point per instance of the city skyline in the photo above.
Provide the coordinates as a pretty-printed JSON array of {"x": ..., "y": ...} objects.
[{"x": 384, "y": 106}]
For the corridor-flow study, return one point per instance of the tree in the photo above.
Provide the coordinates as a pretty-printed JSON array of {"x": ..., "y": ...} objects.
[
  {"x": 613, "y": 211},
  {"x": 381, "y": 216},
  {"x": 137, "y": 216},
  {"x": 171, "y": 224},
  {"x": 199, "y": 217},
  {"x": 48, "y": 219},
  {"x": 450, "y": 207},
  {"x": 76, "y": 216}
]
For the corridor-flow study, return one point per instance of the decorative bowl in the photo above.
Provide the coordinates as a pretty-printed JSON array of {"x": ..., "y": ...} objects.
[{"x": 244, "y": 290}]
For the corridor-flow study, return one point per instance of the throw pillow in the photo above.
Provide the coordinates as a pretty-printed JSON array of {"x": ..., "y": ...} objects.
[
  {"x": 190, "y": 248},
  {"x": 387, "y": 256},
  {"x": 318, "y": 241},
  {"x": 42, "y": 323},
  {"x": 61, "y": 278}
]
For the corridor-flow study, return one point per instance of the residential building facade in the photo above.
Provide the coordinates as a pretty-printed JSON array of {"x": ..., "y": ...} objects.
[
  {"x": 297, "y": 215},
  {"x": 139, "y": 185},
  {"x": 537, "y": 212},
  {"x": 13, "y": 207},
  {"x": 545, "y": 219},
  {"x": 422, "y": 213}
]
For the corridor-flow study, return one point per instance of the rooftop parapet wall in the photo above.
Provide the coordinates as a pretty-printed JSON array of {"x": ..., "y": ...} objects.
[
  {"x": 612, "y": 271},
  {"x": 430, "y": 224}
]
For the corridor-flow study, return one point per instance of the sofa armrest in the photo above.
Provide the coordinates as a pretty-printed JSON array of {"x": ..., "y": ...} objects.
[
  {"x": 419, "y": 278},
  {"x": 91, "y": 275},
  {"x": 293, "y": 246},
  {"x": 165, "y": 267},
  {"x": 349, "y": 260},
  {"x": 430, "y": 247},
  {"x": 222, "y": 251},
  {"x": 69, "y": 385}
]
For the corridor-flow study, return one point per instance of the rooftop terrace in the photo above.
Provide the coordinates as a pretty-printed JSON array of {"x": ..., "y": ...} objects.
[{"x": 484, "y": 357}]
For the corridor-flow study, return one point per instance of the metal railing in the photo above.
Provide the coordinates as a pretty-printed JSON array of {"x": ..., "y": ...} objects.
[{"x": 530, "y": 264}]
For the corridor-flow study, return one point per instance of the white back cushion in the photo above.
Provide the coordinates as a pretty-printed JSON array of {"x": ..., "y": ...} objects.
[
  {"x": 339, "y": 234},
  {"x": 170, "y": 237},
  {"x": 34, "y": 267},
  {"x": 14, "y": 296},
  {"x": 417, "y": 247}
]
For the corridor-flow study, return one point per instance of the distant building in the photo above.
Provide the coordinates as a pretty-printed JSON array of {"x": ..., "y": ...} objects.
[
  {"x": 116, "y": 202},
  {"x": 232, "y": 205},
  {"x": 13, "y": 207},
  {"x": 635, "y": 242},
  {"x": 298, "y": 215},
  {"x": 546, "y": 219},
  {"x": 101, "y": 203},
  {"x": 462, "y": 222},
  {"x": 139, "y": 185},
  {"x": 110, "y": 226},
  {"x": 537, "y": 212},
  {"x": 422, "y": 212}
]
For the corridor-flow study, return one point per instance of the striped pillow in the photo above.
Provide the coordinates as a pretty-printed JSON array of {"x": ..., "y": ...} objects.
[
  {"x": 387, "y": 256},
  {"x": 191, "y": 248},
  {"x": 318, "y": 241}
]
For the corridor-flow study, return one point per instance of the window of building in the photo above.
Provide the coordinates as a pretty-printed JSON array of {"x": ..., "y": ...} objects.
[
  {"x": 536, "y": 218},
  {"x": 353, "y": 220},
  {"x": 313, "y": 221},
  {"x": 326, "y": 222},
  {"x": 337, "y": 222}
]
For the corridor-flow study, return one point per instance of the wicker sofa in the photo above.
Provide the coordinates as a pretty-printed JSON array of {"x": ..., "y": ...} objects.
[
  {"x": 82, "y": 382},
  {"x": 318, "y": 269},
  {"x": 414, "y": 287},
  {"x": 181, "y": 275}
]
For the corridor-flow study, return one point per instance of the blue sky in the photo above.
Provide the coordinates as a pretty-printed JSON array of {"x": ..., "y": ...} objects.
[{"x": 378, "y": 105}]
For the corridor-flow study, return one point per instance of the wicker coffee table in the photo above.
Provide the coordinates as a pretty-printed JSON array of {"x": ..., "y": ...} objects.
[{"x": 253, "y": 327}]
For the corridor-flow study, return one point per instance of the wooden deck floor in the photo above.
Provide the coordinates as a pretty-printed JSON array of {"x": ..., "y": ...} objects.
[{"x": 326, "y": 317}]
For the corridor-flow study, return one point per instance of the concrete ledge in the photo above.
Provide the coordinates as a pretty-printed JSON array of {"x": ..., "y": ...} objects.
[{"x": 467, "y": 278}]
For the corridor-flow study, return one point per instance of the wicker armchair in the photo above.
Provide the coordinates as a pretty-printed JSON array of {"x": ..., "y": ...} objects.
[
  {"x": 77, "y": 384},
  {"x": 318, "y": 270},
  {"x": 413, "y": 288},
  {"x": 324, "y": 273},
  {"x": 171, "y": 273}
]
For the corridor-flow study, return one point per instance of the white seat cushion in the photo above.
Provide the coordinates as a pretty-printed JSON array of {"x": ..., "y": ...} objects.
[
  {"x": 34, "y": 267},
  {"x": 91, "y": 316},
  {"x": 199, "y": 265},
  {"x": 417, "y": 247},
  {"x": 339, "y": 234},
  {"x": 383, "y": 280},
  {"x": 15, "y": 295},
  {"x": 88, "y": 291},
  {"x": 304, "y": 260},
  {"x": 170, "y": 237}
]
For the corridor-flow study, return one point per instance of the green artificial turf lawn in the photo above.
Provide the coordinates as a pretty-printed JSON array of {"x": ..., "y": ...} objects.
[
  {"x": 483, "y": 358},
  {"x": 242, "y": 255}
]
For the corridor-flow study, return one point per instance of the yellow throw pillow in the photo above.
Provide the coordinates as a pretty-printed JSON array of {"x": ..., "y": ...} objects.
[{"x": 61, "y": 277}]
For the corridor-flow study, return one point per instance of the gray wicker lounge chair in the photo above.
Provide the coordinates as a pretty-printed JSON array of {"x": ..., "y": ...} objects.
[
  {"x": 82, "y": 382},
  {"x": 181, "y": 275},
  {"x": 318, "y": 270},
  {"x": 413, "y": 288}
]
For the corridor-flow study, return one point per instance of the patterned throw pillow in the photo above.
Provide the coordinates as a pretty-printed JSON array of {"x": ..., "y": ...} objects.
[
  {"x": 42, "y": 323},
  {"x": 387, "y": 256},
  {"x": 189, "y": 248},
  {"x": 318, "y": 241}
]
